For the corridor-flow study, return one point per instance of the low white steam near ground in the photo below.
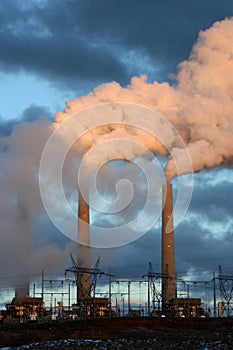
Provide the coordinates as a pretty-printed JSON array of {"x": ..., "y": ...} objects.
[{"x": 200, "y": 106}]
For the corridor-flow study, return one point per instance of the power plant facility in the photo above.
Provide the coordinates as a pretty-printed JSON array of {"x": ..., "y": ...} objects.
[{"x": 86, "y": 290}]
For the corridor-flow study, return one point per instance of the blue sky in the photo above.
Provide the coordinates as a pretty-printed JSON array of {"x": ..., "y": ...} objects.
[{"x": 55, "y": 51}]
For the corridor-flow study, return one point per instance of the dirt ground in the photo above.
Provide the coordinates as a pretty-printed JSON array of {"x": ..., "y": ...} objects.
[{"x": 121, "y": 333}]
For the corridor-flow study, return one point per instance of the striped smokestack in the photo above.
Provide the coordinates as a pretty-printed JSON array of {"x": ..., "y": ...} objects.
[
  {"x": 84, "y": 283},
  {"x": 168, "y": 249}
]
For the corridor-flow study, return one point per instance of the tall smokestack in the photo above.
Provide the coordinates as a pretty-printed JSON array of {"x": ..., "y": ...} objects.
[
  {"x": 168, "y": 249},
  {"x": 22, "y": 281},
  {"x": 84, "y": 283}
]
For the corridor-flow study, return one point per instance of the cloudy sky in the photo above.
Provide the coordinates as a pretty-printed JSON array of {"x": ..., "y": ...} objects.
[{"x": 52, "y": 52}]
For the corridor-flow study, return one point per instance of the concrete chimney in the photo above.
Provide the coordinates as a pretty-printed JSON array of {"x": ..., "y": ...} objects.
[
  {"x": 22, "y": 281},
  {"x": 168, "y": 249},
  {"x": 84, "y": 285}
]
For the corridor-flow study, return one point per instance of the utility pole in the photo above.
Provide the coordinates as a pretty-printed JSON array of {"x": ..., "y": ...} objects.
[
  {"x": 148, "y": 291},
  {"x": 129, "y": 298},
  {"x": 110, "y": 293},
  {"x": 116, "y": 308},
  {"x": 188, "y": 299},
  {"x": 214, "y": 286},
  {"x": 42, "y": 292}
]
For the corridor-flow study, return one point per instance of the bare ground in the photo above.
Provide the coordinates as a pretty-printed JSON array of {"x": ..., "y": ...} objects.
[{"x": 121, "y": 333}]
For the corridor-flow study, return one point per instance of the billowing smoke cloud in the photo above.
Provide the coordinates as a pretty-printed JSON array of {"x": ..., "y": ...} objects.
[{"x": 199, "y": 104}]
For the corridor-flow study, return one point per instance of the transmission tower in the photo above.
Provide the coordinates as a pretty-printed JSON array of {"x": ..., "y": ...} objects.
[
  {"x": 152, "y": 289},
  {"x": 85, "y": 296},
  {"x": 226, "y": 289}
]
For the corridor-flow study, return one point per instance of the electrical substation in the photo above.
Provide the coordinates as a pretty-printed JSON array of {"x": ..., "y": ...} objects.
[{"x": 83, "y": 291}]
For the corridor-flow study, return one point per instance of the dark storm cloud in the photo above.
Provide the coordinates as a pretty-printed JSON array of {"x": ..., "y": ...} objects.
[
  {"x": 197, "y": 253},
  {"x": 212, "y": 200},
  {"x": 204, "y": 238},
  {"x": 88, "y": 40},
  {"x": 30, "y": 114},
  {"x": 164, "y": 30},
  {"x": 49, "y": 42}
]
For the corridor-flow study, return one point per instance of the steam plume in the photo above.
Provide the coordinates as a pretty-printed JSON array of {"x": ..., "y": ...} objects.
[{"x": 199, "y": 105}]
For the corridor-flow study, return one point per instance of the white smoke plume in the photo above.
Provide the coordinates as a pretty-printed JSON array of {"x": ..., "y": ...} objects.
[
  {"x": 21, "y": 209},
  {"x": 199, "y": 105}
]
